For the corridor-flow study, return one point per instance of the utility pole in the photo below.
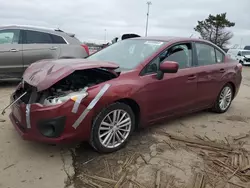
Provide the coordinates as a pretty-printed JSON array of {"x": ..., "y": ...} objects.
[
  {"x": 149, "y": 3},
  {"x": 241, "y": 42},
  {"x": 105, "y": 36}
]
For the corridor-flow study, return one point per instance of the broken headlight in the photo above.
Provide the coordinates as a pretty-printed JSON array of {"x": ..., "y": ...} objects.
[{"x": 75, "y": 96}]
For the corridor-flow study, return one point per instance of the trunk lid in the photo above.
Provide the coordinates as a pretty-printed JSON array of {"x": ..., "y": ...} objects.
[{"x": 45, "y": 73}]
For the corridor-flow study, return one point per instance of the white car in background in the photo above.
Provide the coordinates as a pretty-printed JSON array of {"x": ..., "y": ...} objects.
[
  {"x": 243, "y": 56},
  {"x": 124, "y": 36},
  {"x": 247, "y": 48}
]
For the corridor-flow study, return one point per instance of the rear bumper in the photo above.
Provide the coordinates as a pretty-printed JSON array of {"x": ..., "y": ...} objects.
[{"x": 40, "y": 115}]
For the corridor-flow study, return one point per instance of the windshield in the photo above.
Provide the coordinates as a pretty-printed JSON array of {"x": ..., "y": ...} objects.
[
  {"x": 128, "y": 53},
  {"x": 245, "y": 53},
  {"x": 247, "y": 48}
]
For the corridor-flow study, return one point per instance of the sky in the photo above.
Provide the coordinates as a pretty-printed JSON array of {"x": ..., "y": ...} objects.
[{"x": 95, "y": 21}]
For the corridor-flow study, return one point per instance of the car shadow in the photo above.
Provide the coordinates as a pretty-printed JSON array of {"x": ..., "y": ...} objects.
[{"x": 7, "y": 84}]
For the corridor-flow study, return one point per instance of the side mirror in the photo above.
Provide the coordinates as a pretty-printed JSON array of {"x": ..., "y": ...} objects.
[
  {"x": 167, "y": 67},
  {"x": 238, "y": 54}
]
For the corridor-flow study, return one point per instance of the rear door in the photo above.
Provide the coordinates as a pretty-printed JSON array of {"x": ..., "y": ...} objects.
[
  {"x": 210, "y": 70},
  {"x": 11, "y": 65},
  {"x": 57, "y": 41},
  {"x": 37, "y": 46}
]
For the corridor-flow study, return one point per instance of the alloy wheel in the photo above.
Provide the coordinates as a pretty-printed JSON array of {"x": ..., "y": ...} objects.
[
  {"x": 225, "y": 98},
  {"x": 114, "y": 128}
]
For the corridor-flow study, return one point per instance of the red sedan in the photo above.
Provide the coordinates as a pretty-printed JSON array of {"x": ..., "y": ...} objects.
[{"x": 133, "y": 83}]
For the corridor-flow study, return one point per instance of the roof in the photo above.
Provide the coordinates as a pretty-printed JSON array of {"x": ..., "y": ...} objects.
[
  {"x": 169, "y": 38},
  {"x": 27, "y": 27},
  {"x": 36, "y": 28}
]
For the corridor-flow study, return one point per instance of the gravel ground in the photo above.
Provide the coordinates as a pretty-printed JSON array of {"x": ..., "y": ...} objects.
[{"x": 150, "y": 151}]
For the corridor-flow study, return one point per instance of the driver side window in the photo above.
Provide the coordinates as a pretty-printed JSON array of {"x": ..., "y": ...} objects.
[{"x": 180, "y": 53}]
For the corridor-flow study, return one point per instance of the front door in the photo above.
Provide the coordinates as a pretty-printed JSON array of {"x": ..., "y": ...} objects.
[
  {"x": 176, "y": 92},
  {"x": 11, "y": 65}
]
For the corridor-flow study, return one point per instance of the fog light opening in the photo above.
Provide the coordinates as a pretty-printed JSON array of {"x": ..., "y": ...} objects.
[{"x": 49, "y": 130}]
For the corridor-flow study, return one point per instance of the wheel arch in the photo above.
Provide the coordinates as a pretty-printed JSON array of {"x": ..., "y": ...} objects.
[
  {"x": 135, "y": 107},
  {"x": 233, "y": 87}
]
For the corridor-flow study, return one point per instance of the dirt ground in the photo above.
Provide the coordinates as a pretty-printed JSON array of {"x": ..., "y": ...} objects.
[
  {"x": 25, "y": 164},
  {"x": 152, "y": 158},
  {"x": 154, "y": 151}
]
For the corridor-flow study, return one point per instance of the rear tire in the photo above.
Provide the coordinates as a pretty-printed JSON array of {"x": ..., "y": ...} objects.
[
  {"x": 224, "y": 99},
  {"x": 112, "y": 128}
]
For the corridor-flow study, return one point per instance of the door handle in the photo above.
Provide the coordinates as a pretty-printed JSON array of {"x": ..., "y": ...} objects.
[
  {"x": 13, "y": 50},
  {"x": 191, "y": 77},
  {"x": 222, "y": 70},
  {"x": 53, "y": 48}
]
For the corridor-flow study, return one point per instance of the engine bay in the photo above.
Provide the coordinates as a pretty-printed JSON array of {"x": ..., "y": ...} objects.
[
  {"x": 73, "y": 85},
  {"x": 76, "y": 84},
  {"x": 82, "y": 78}
]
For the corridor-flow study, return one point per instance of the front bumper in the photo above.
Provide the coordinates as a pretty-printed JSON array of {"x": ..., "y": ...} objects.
[{"x": 30, "y": 126}]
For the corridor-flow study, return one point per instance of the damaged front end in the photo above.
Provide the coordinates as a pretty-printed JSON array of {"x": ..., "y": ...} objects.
[
  {"x": 72, "y": 87},
  {"x": 50, "y": 115}
]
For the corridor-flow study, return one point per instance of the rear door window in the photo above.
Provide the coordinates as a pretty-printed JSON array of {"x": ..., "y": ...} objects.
[
  {"x": 9, "y": 36},
  {"x": 57, "y": 39},
  {"x": 35, "y": 37},
  {"x": 205, "y": 54},
  {"x": 219, "y": 56}
]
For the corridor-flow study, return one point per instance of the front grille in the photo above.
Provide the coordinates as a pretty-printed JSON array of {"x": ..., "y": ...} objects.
[{"x": 247, "y": 60}]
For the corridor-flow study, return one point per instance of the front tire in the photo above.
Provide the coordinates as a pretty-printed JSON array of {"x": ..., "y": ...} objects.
[
  {"x": 112, "y": 128},
  {"x": 224, "y": 99}
]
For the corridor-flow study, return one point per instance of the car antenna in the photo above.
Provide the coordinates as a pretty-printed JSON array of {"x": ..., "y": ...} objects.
[
  {"x": 191, "y": 36},
  {"x": 58, "y": 29}
]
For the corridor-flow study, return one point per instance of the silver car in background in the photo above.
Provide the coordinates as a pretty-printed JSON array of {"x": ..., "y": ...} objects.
[{"x": 22, "y": 45}]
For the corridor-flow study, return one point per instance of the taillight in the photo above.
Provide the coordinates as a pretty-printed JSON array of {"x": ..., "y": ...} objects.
[{"x": 86, "y": 48}]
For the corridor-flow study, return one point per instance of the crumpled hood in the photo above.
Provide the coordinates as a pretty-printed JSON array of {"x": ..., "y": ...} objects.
[{"x": 45, "y": 73}]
